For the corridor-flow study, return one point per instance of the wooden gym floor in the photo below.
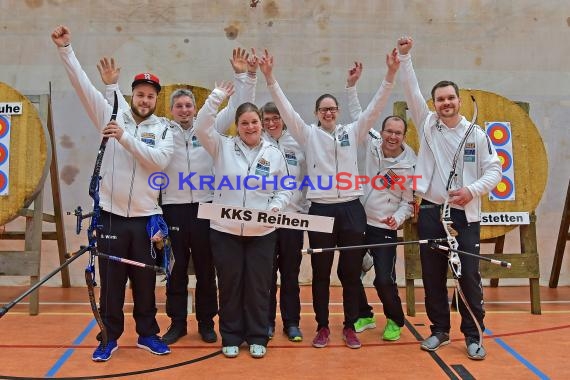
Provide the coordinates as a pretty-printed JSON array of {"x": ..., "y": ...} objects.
[{"x": 58, "y": 343}]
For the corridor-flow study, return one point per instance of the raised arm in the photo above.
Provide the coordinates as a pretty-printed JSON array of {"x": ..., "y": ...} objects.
[
  {"x": 206, "y": 118},
  {"x": 245, "y": 78},
  {"x": 97, "y": 107},
  {"x": 370, "y": 116},
  {"x": 353, "y": 76},
  {"x": 295, "y": 124},
  {"x": 110, "y": 72},
  {"x": 416, "y": 102}
]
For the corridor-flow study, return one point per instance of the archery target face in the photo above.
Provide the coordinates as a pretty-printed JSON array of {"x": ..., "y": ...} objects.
[
  {"x": 4, "y": 126},
  {"x": 499, "y": 133},
  {"x": 504, "y": 189},
  {"x": 3, "y": 154}
]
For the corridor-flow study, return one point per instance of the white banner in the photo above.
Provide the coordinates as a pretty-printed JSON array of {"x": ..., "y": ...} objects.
[
  {"x": 266, "y": 218},
  {"x": 10, "y": 108},
  {"x": 504, "y": 218}
]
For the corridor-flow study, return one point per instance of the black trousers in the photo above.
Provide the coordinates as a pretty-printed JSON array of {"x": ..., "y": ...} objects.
[
  {"x": 349, "y": 228},
  {"x": 244, "y": 265},
  {"x": 288, "y": 262},
  {"x": 126, "y": 238},
  {"x": 385, "y": 271},
  {"x": 190, "y": 238},
  {"x": 435, "y": 267}
]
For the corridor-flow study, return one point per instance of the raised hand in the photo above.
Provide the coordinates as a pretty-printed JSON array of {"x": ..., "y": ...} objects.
[
  {"x": 61, "y": 36},
  {"x": 405, "y": 44},
  {"x": 239, "y": 60},
  {"x": 392, "y": 61},
  {"x": 266, "y": 66},
  {"x": 108, "y": 71},
  {"x": 226, "y": 87},
  {"x": 354, "y": 74},
  {"x": 252, "y": 62}
]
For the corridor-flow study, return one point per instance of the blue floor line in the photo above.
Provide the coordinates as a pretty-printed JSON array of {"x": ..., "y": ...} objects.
[
  {"x": 519, "y": 357},
  {"x": 67, "y": 354}
]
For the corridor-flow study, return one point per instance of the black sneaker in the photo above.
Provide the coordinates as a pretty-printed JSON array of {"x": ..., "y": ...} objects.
[
  {"x": 175, "y": 332},
  {"x": 293, "y": 333},
  {"x": 208, "y": 334},
  {"x": 435, "y": 341}
]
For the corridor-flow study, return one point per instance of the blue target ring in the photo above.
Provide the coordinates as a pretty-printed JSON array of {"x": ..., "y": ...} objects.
[
  {"x": 506, "y": 159},
  {"x": 504, "y": 189},
  {"x": 499, "y": 134}
]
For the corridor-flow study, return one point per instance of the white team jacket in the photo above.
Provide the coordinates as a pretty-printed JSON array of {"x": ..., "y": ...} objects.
[
  {"x": 128, "y": 163},
  {"x": 389, "y": 198},
  {"x": 329, "y": 155},
  {"x": 191, "y": 166},
  {"x": 296, "y": 165},
  {"x": 481, "y": 171},
  {"x": 231, "y": 165}
]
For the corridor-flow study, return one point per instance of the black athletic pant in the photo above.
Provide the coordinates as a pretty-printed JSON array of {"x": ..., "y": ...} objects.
[
  {"x": 288, "y": 262},
  {"x": 244, "y": 265},
  {"x": 385, "y": 272},
  {"x": 126, "y": 238},
  {"x": 190, "y": 238},
  {"x": 435, "y": 267},
  {"x": 349, "y": 228}
]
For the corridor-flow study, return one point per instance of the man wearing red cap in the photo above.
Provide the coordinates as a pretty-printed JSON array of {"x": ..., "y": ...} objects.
[{"x": 139, "y": 144}]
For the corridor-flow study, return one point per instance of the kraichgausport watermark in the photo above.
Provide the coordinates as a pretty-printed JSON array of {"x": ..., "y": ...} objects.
[{"x": 341, "y": 181}]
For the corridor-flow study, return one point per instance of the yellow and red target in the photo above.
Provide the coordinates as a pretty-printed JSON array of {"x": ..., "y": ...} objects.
[
  {"x": 506, "y": 159},
  {"x": 3, "y": 154},
  {"x": 4, "y": 125},
  {"x": 503, "y": 191},
  {"x": 499, "y": 133}
]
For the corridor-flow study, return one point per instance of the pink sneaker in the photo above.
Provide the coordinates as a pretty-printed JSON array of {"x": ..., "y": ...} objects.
[
  {"x": 350, "y": 338},
  {"x": 322, "y": 338}
]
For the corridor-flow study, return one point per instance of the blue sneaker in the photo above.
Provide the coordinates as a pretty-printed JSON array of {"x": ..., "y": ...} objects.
[
  {"x": 103, "y": 353},
  {"x": 153, "y": 344}
]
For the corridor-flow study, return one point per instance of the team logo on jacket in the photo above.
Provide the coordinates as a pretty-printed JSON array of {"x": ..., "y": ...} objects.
[
  {"x": 469, "y": 152},
  {"x": 148, "y": 138},
  {"x": 262, "y": 167},
  {"x": 195, "y": 142},
  {"x": 343, "y": 139},
  {"x": 391, "y": 177},
  {"x": 291, "y": 158}
]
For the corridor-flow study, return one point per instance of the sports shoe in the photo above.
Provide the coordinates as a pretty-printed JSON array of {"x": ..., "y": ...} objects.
[
  {"x": 175, "y": 331},
  {"x": 293, "y": 333},
  {"x": 350, "y": 338},
  {"x": 391, "y": 331},
  {"x": 435, "y": 341},
  {"x": 270, "y": 332},
  {"x": 208, "y": 334},
  {"x": 474, "y": 351},
  {"x": 257, "y": 351},
  {"x": 322, "y": 338},
  {"x": 103, "y": 353},
  {"x": 153, "y": 344},
  {"x": 362, "y": 324},
  {"x": 230, "y": 351}
]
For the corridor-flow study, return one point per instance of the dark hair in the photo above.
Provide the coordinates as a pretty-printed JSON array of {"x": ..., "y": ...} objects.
[
  {"x": 321, "y": 98},
  {"x": 395, "y": 117},
  {"x": 444, "y": 83},
  {"x": 269, "y": 107},
  {"x": 246, "y": 107}
]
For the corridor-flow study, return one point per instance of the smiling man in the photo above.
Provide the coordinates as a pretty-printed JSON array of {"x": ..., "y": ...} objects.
[{"x": 445, "y": 136}]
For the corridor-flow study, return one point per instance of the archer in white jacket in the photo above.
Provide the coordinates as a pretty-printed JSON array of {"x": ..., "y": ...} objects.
[
  {"x": 331, "y": 151},
  {"x": 446, "y": 144},
  {"x": 243, "y": 254}
]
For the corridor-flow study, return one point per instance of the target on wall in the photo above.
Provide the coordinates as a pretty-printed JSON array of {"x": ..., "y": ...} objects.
[
  {"x": 499, "y": 133},
  {"x": 5, "y": 123}
]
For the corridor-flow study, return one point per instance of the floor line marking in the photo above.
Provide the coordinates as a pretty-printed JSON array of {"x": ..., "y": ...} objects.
[
  {"x": 518, "y": 356},
  {"x": 67, "y": 354}
]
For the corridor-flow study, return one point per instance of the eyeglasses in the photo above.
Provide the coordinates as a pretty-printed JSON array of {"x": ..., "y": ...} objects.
[
  {"x": 324, "y": 110},
  {"x": 273, "y": 119},
  {"x": 388, "y": 132}
]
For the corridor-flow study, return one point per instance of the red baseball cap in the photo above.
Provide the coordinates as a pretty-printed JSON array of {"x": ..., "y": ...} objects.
[{"x": 146, "y": 78}]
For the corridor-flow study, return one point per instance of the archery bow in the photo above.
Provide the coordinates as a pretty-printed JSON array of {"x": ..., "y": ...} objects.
[{"x": 452, "y": 251}]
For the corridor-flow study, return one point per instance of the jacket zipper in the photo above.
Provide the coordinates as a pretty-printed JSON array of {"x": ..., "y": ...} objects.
[{"x": 132, "y": 178}]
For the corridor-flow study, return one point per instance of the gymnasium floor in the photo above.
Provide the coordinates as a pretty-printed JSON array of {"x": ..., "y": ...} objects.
[{"x": 58, "y": 343}]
